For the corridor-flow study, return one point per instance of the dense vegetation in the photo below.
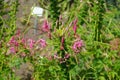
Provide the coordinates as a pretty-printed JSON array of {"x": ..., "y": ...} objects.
[{"x": 82, "y": 42}]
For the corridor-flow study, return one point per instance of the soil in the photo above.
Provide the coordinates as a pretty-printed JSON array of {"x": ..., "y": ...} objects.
[{"x": 24, "y": 11}]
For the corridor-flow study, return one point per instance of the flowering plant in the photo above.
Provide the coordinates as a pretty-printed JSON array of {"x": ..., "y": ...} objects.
[{"x": 20, "y": 45}]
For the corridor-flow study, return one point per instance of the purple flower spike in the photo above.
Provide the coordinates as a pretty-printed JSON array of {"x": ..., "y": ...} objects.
[
  {"x": 75, "y": 26},
  {"x": 46, "y": 26}
]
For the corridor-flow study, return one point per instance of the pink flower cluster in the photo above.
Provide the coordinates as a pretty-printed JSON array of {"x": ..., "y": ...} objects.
[
  {"x": 31, "y": 43},
  {"x": 16, "y": 43},
  {"x": 12, "y": 50},
  {"x": 77, "y": 46},
  {"x": 42, "y": 42},
  {"x": 13, "y": 41}
]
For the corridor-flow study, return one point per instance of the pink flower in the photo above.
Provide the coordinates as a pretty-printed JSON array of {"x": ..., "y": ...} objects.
[
  {"x": 16, "y": 43},
  {"x": 67, "y": 56},
  {"x": 23, "y": 40},
  {"x": 42, "y": 42},
  {"x": 46, "y": 26},
  {"x": 31, "y": 43},
  {"x": 77, "y": 45},
  {"x": 12, "y": 50},
  {"x": 13, "y": 41},
  {"x": 75, "y": 26}
]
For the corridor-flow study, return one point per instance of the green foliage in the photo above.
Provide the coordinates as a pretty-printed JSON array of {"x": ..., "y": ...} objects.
[
  {"x": 46, "y": 69},
  {"x": 7, "y": 28},
  {"x": 9, "y": 23}
]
